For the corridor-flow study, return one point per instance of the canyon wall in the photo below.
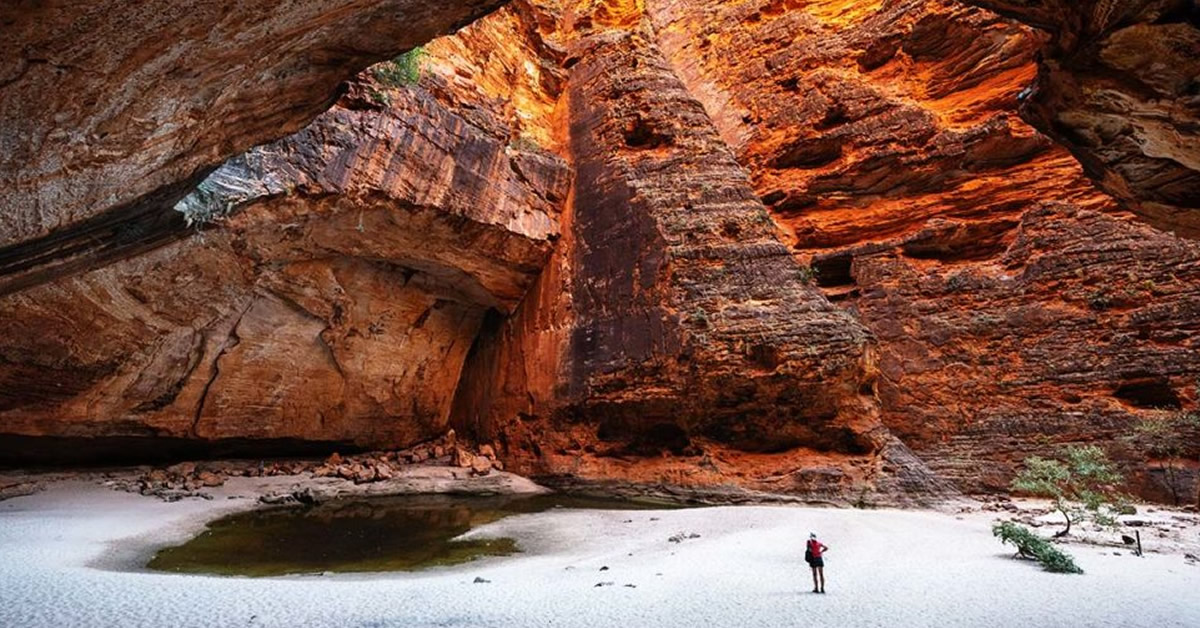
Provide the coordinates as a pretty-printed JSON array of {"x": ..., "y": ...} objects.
[
  {"x": 811, "y": 247},
  {"x": 332, "y": 300},
  {"x": 112, "y": 111},
  {"x": 674, "y": 319},
  {"x": 1119, "y": 84},
  {"x": 1015, "y": 307},
  {"x": 1009, "y": 306}
]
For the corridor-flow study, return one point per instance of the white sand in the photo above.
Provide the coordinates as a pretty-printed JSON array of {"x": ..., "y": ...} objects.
[{"x": 885, "y": 568}]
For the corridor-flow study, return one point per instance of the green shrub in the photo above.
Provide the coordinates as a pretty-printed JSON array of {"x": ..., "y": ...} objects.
[
  {"x": 402, "y": 71},
  {"x": 526, "y": 144},
  {"x": 1032, "y": 546},
  {"x": 1081, "y": 485},
  {"x": 380, "y": 98},
  {"x": 1166, "y": 438}
]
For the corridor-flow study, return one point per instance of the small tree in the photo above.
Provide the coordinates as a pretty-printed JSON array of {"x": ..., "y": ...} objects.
[
  {"x": 1032, "y": 546},
  {"x": 1082, "y": 485},
  {"x": 1165, "y": 438}
]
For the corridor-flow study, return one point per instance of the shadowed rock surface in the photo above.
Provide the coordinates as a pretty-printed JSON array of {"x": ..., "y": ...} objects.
[
  {"x": 112, "y": 111},
  {"x": 336, "y": 303},
  {"x": 797, "y": 247},
  {"x": 1119, "y": 85}
]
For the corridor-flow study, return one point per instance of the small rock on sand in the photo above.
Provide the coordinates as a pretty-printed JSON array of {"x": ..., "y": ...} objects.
[
  {"x": 481, "y": 465},
  {"x": 210, "y": 479}
]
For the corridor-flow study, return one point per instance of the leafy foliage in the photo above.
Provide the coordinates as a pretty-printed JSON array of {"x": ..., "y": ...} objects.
[
  {"x": 1030, "y": 545},
  {"x": 526, "y": 144},
  {"x": 1082, "y": 485},
  {"x": 1167, "y": 438},
  {"x": 402, "y": 71}
]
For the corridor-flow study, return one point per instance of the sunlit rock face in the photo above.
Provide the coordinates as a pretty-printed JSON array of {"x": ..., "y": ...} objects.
[
  {"x": 887, "y": 141},
  {"x": 1119, "y": 84},
  {"x": 111, "y": 111},
  {"x": 673, "y": 317},
  {"x": 806, "y": 247},
  {"x": 334, "y": 303}
]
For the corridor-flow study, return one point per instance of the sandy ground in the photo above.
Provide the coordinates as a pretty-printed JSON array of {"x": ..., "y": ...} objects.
[{"x": 65, "y": 554}]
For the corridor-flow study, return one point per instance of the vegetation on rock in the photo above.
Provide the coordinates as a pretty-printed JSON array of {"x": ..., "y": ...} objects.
[
  {"x": 402, "y": 71},
  {"x": 1166, "y": 439}
]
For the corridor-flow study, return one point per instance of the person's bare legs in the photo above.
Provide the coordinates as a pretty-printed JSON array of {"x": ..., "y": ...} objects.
[
  {"x": 816, "y": 587},
  {"x": 819, "y": 571}
]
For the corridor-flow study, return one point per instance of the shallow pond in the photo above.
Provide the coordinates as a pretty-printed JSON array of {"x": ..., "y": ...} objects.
[{"x": 360, "y": 535}]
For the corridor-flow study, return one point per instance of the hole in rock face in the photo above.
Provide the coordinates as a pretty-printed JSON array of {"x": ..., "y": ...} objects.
[
  {"x": 833, "y": 271},
  {"x": 639, "y": 134},
  {"x": 878, "y": 54},
  {"x": 771, "y": 198},
  {"x": 795, "y": 203},
  {"x": 955, "y": 242},
  {"x": 660, "y": 436},
  {"x": 809, "y": 153},
  {"x": 765, "y": 355},
  {"x": 834, "y": 116},
  {"x": 1148, "y": 393}
]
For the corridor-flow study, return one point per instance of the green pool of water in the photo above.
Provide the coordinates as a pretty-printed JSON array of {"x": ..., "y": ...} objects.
[{"x": 360, "y": 535}]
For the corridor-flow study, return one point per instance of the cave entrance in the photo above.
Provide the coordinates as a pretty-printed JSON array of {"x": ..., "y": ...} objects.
[{"x": 1149, "y": 393}]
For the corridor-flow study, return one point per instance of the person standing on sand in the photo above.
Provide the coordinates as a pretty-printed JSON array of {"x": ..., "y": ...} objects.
[{"x": 814, "y": 555}]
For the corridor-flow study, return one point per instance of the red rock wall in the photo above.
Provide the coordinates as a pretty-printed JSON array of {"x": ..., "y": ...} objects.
[
  {"x": 797, "y": 246},
  {"x": 887, "y": 140},
  {"x": 1119, "y": 85},
  {"x": 111, "y": 111},
  {"x": 336, "y": 302},
  {"x": 673, "y": 318}
]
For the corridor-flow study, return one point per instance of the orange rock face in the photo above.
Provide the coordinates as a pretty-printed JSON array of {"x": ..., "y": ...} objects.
[
  {"x": 803, "y": 247},
  {"x": 111, "y": 111},
  {"x": 674, "y": 318},
  {"x": 335, "y": 304},
  {"x": 1119, "y": 84}
]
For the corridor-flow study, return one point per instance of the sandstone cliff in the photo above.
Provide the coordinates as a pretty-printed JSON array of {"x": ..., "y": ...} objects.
[
  {"x": 798, "y": 246},
  {"x": 334, "y": 303},
  {"x": 1119, "y": 84},
  {"x": 112, "y": 111}
]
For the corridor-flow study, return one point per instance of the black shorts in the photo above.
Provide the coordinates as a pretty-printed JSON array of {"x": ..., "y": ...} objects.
[{"x": 817, "y": 562}]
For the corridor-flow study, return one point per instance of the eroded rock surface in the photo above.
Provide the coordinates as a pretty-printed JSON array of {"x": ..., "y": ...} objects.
[
  {"x": 887, "y": 140},
  {"x": 673, "y": 317},
  {"x": 797, "y": 247},
  {"x": 111, "y": 111},
  {"x": 1119, "y": 85},
  {"x": 336, "y": 303}
]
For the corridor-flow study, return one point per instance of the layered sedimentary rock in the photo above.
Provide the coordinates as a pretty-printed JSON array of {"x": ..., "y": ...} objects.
[
  {"x": 862, "y": 122},
  {"x": 673, "y": 318},
  {"x": 1083, "y": 325},
  {"x": 1119, "y": 84},
  {"x": 887, "y": 139},
  {"x": 335, "y": 302},
  {"x": 800, "y": 246},
  {"x": 112, "y": 111}
]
